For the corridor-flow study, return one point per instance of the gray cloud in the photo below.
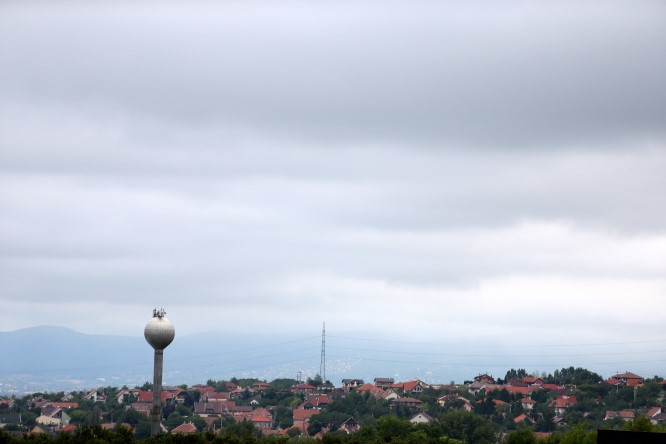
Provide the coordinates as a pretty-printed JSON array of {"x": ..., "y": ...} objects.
[
  {"x": 514, "y": 75},
  {"x": 247, "y": 163}
]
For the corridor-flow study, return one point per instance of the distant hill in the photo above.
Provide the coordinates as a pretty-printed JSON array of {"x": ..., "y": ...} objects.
[{"x": 56, "y": 358}]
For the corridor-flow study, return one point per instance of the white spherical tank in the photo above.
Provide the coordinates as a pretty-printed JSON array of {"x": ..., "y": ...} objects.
[{"x": 159, "y": 331}]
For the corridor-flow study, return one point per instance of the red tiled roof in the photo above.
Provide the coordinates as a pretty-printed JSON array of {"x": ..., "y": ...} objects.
[
  {"x": 653, "y": 411},
  {"x": 66, "y": 405},
  {"x": 627, "y": 375},
  {"x": 515, "y": 390},
  {"x": 188, "y": 427},
  {"x": 303, "y": 387},
  {"x": 216, "y": 396},
  {"x": 407, "y": 400},
  {"x": 532, "y": 380},
  {"x": 625, "y": 414},
  {"x": 408, "y": 386},
  {"x": 319, "y": 400},
  {"x": 564, "y": 402},
  {"x": 522, "y": 418},
  {"x": 261, "y": 419},
  {"x": 302, "y": 415}
]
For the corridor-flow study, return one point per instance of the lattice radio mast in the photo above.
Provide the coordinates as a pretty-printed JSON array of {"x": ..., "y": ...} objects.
[{"x": 322, "y": 365}]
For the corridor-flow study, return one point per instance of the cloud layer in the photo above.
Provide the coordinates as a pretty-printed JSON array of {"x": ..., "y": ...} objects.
[{"x": 379, "y": 165}]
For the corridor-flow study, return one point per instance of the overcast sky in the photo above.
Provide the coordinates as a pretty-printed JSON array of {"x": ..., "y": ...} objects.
[{"x": 426, "y": 170}]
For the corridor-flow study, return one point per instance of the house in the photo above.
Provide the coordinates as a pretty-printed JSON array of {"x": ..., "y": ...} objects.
[
  {"x": 562, "y": 403},
  {"x": 178, "y": 395},
  {"x": 523, "y": 418},
  {"x": 142, "y": 407},
  {"x": 659, "y": 418},
  {"x": 202, "y": 389},
  {"x": 319, "y": 401},
  {"x": 6, "y": 404},
  {"x": 654, "y": 411},
  {"x": 384, "y": 383},
  {"x": 94, "y": 396},
  {"x": 531, "y": 380},
  {"x": 9, "y": 418},
  {"x": 628, "y": 378},
  {"x": 69, "y": 429},
  {"x": 303, "y": 389},
  {"x": 65, "y": 405},
  {"x": 412, "y": 403},
  {"x": 205, "y": 409},
  {"x": 147, "y": 396},
  {"x": 48, "y": 421},
  {"x": 560, "y": 421},
  {"x": 185, "y": 429},
  {"x": 484, "y": 379},
  {"x": 476, "y": 387},
  {"x": 515, "y": 390},
  {"x": 421, "y": 418},
  {"x": 626, "y": 415},
  {"x": 214, "y": 396},
  {"x": 37, "y": 430},
  {"x": 350, "y": 384},
  {"x": 261, "y": 386},
  {"x": 239, "y": 392},
  {"x": 37, "y": 402},
  {"x": 375, "y": 391},
  {"x": 528, "y": 403},
  {"x": 350, "y": 425},
  {"x": 236, "y": 410},
  {"x": 454, "y": 400},
  {"x": 123, "y": 396},
  {"x": 262, "y": 422},
  {"x": 302, "y": 416},
  {"x": 414, "y": 386}
]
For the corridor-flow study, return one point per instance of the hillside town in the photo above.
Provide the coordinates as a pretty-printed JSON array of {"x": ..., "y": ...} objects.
[{"x": 546, "y": 406}]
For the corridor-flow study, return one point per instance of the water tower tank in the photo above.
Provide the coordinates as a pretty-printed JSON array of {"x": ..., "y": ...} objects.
[{"x": 159, "y": 331}]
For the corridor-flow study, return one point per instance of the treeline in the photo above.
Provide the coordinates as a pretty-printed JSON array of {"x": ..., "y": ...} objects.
[{"x": 386, "y": 430}]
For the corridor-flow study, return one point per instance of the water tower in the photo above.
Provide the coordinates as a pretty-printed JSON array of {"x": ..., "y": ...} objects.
[{"x": 159, "y": 333}]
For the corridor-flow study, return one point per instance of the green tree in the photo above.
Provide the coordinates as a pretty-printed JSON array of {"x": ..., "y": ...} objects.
[
  {"x": 294, "y": 432},
  {"x": 514, "y": 374},
  {"x": 132, "y": 417},
  {"x": 521, "y": 436},
  {"x": 467, "y": 426},
  {"x": 284, "y": 417},
  {"x": 199, "y": 422},
  {"x": 641, "y": 424},
  {"x": 142, "y": 430},
  {"x": 391, "y": 427},
  {"x": 174, "y": 420},
  {"x": 316, "y": 381}
]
